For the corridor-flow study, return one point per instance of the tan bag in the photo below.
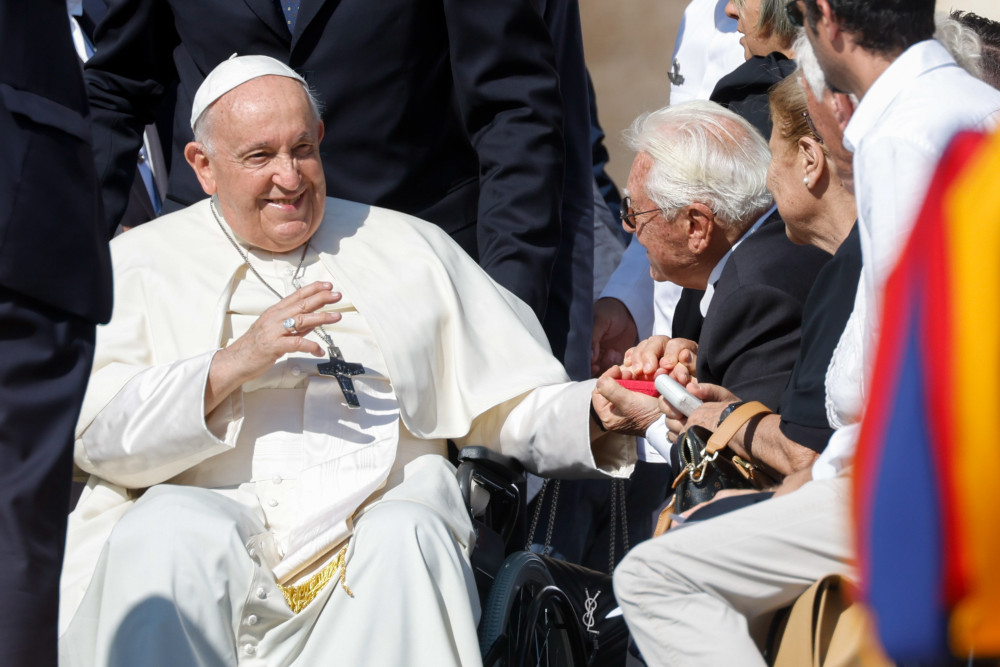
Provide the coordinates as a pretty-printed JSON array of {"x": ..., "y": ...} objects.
[{"x": 826, "y": 627}]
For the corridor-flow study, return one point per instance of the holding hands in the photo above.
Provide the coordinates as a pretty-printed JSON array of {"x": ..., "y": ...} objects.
[
  {"x": 662, "y": 354},
  {"x": 631, "y": 412}
]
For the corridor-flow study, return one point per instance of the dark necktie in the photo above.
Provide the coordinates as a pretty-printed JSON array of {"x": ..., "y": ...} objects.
[{"x": 291, "y": 10}]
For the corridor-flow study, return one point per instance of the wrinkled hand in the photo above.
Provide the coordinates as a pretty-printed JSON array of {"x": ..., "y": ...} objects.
[
  {"x": 658, "y": 354},
  {"x": 267, "y": 340},
  {"x": 620, "y": 409},
  {"x": 614, "y": 332},
  {"x": 715, "y": 399}
]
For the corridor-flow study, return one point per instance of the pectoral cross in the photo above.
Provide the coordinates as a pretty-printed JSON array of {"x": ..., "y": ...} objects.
[{"x": 343, "y": 371}]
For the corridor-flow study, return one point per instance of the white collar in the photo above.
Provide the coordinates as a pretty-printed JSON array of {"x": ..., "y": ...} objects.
[
  {"x": 716, "y": 273},
  {"x": 913, "y": 62}
]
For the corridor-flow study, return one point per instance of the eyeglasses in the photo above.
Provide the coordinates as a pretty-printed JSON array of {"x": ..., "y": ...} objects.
[
  {"x": 795, "y": 13},
  {"x": 812, "y": 128},
  {"x": 627, "y": 218}
]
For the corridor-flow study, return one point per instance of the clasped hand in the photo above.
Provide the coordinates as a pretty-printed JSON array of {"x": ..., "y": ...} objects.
[{"x": 630, "y": 412}]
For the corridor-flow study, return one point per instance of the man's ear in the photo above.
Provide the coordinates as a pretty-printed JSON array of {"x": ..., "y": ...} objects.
[
  {"x": 843, "y": 108},
  {"x": 700, "y": 220},
  {"x": 197, "y": 156},
  {"x": 827, "y": 20}
]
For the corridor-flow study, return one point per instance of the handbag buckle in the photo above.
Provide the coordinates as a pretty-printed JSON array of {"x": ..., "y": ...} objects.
[
  {"x": 698, "y": 471},
  {"x": 745, "y": 468}
]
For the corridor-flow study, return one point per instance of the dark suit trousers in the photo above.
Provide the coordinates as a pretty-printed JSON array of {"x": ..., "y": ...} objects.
[{"x": 45, "y": 359}]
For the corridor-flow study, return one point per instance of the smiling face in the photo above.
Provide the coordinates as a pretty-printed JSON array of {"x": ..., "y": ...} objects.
[{"x": 264, "y": 163}]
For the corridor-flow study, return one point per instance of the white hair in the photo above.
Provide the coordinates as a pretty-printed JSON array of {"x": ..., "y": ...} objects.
[
  {"x": 204, "y": 127},
  {"x": 961, "y": 41},
  {"x": 704, "y": 153},
  {"x": 809, "y": 65}
]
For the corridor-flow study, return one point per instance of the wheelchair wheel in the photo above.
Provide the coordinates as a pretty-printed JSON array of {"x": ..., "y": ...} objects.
[{"x": 527, "y": 621}]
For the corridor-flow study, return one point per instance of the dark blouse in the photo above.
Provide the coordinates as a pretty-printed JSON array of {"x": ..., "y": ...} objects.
[{"x": 827, "y": 309}]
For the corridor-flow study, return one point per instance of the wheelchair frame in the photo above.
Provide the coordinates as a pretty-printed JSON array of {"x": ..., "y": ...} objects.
[{"x": 527, "y": 620}]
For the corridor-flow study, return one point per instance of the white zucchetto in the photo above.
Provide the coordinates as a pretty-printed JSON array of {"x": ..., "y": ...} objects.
[{"x": 233, "y": 72}]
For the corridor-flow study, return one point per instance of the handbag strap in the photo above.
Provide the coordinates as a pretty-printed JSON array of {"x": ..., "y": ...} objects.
[{"x": 733, "y": 423}]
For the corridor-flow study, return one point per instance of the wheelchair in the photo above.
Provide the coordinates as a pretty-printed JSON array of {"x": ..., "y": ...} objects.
[{"x": 537, "y": 610}]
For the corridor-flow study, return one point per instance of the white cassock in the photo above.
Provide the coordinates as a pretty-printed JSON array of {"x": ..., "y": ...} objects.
[{"x": 278, "y": 480}]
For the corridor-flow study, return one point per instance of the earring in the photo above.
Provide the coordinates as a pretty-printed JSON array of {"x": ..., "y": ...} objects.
[{"x": 805, "y": 182}]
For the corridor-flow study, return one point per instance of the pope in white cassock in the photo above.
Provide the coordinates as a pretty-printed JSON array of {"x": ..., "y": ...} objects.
[{"x": 240, "y": 509}]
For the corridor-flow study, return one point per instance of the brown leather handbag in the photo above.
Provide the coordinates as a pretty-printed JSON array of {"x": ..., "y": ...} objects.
[{"x": 825, "y": 627}]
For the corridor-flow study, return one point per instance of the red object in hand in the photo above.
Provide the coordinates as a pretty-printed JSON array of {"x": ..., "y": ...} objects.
[{"x": 642, "y": 386}]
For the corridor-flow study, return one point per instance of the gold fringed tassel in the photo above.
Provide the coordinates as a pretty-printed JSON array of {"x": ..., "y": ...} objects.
[{"x": 299, "y": 597}]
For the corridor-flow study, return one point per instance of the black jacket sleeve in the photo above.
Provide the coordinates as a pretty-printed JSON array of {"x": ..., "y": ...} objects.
[
  {"x": 507, "y": 91},
  {"x": 126, "y": 79}
]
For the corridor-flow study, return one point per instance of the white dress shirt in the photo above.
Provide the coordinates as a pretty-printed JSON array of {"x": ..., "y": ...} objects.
[
  {"x": 897, "y": 134},
  {"x": 845, "y": 392}
]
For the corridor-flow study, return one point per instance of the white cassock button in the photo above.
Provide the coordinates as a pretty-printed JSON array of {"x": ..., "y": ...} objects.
[
  {"x": 272, "y": 502},
  {"x": 252, "y": 619},
  {"x": 296, "y": 371},
  {"x": 249, "y": 649},
  {"x": 261, "y": 593},
  {"x": 276, "y": 479}
]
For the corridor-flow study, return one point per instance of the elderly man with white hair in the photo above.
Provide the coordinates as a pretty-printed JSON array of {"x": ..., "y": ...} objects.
[
  {"x": 697, "y": 200},
  {"x": 250, "y": 505}
]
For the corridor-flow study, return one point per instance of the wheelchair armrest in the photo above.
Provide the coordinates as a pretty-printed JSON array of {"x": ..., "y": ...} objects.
[
  {"x": 489, "y": 484},
  {"x": 505, "y": 467}
]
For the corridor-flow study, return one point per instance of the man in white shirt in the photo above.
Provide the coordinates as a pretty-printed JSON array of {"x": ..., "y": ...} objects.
[
  {"x": 914, "y": 98},
  {"x": 248, "y": 505}
]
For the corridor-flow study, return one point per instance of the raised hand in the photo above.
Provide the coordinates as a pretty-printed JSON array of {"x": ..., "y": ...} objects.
[{"x": 268, "y": 339}]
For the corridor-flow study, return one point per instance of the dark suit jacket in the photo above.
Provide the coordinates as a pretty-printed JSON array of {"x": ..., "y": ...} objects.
[
  {"x": 569, "y": 316},
  {"x": 139, "y": 208},
  {"x": 445, "y": 109},
  {"x": 750, "y": 338},
  {"x": 52, "y": 247},
  {"x": 55, "y": 283}
]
